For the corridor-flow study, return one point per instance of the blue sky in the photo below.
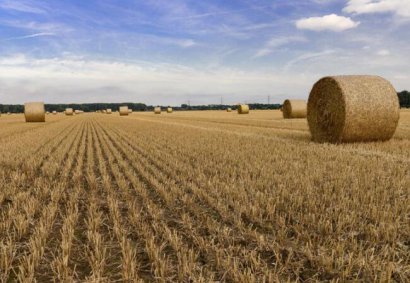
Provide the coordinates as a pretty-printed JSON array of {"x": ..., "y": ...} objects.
[{"x": 169, "y": 52}]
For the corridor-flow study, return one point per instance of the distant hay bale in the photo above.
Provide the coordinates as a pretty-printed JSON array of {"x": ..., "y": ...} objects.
[
  {"x": 169, "y": 110},
  {"x": 157, "y": 110},
  {"x": 8, "y": 113},
  {"x": 124, "y": 111},
  {"x": 69, "y": 112},
  {"x": 294, "y": 108},
  {"x": 353, "y": 109},
  {"x": 54, "y": 112},
  {"x": 34, "y": 112},
  {"x": 243, "y": 109},
  {"x": 228, "y": 109},
  {"x": 129, "y": 111},
  {"x": 104, "y": 111},
  {"x": 47, "y": 112},
  {"x": 77, "y": 112},
  {"x": 109, "y": 111}
]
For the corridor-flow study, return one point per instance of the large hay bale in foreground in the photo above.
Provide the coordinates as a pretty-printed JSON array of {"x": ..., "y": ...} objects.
[
  {"x": 157, "y": 110},
  {"x": 243, "y": 109},
  {"x": 34, "y": 112},
  {"x": 109, "y": 111},
  {"x": 69, "y": 112},
  {"x": 294, "y": 108},
  {"x": 170, "y": 110},
  {"x": 124, "y": 111},
  {"x": 353, "y": 109}
]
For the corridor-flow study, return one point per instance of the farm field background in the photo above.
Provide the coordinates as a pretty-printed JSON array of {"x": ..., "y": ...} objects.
[{"x": 199, "y": 197}]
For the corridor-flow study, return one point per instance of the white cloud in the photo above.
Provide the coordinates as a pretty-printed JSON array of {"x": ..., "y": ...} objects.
[
  {"x": 67, "y": 79},
  {"x": 400, "y": 7},
  {"x": 331, "y": 22},
  {"x": 383, "y": 52},
  {"x": 277, "y": 42}
]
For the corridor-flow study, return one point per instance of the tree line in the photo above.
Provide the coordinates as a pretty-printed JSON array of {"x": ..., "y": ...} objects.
[{"x": 404, "y": 99}]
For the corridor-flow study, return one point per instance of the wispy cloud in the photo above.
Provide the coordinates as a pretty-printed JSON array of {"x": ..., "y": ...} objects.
[
  {"x": 307, "y": 56},
  {"x": 21, "y": 6},
  {"x": 399, "y": 7},
  {"x": 41, "y": 34},
  {"x": 277, "y": 42}
]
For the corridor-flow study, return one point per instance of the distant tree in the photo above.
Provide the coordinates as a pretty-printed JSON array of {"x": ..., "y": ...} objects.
[{"x": 404, "y": 98}]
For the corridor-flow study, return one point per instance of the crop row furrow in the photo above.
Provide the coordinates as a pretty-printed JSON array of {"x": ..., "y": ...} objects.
[
  {"x": 158, "y": 192},
  {"x": 34, "y": 253}
]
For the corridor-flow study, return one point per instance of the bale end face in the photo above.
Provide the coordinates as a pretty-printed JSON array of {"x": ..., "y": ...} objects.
[
  {"x": 34, "y": 112},
  {"x": 157, "y": 110},
  {"x": 169, "y": 110},
  {"x": 353, "y": 109}
]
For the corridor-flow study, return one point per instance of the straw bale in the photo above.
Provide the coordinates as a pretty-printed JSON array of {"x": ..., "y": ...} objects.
[
  {"x": 34, "y": 112},
  {"x": 124, "y": 111},
  {"x": 243, "y": 109},
  {"x": 353, "y": 109},
  {"x": 294, "y": 108}
]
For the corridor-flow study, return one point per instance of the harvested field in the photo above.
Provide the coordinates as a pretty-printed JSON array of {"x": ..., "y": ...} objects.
[{"x": 200, "y": 197}]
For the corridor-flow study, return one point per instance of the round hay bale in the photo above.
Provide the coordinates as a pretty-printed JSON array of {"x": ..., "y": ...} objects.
[
  {"x": 47, "y": 112},
  {"x": 8, "y": 113},
  {"x": 109, "y": 111},
  {"x": 353, "y": 109},
  {"x": 243, "y": 109},
  {"x": 69, "y": 111},
  {"x": 129, "y": 111},
  {"x": 124, "y": 111},
  {"x": 294, "y": 108},
  {"x": 169, "y": 110},
  {"x": 54, "y": 112},
  {"x": 228, "y": 109},
  {"x": 77, "y": 112},
  {"x": 34, "y": 112},
  {"x": 157, "y": 110}
]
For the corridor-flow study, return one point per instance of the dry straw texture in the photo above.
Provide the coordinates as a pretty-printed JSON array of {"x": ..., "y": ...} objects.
[
  {"x": 157, "y": 110},
  {"x": 295, "y": 108},
  {"x": 108, "y": 111},
  {"x": 34, "y": 112},
  {"x": 228, "y": 109},
  {"x": 243, "y": 109},
  {"x": 124, "y": 111},
  {"x": 169, "y": 110},
  {"x": 69, "y": 111},
  {"x": 353, "y": 109}
]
